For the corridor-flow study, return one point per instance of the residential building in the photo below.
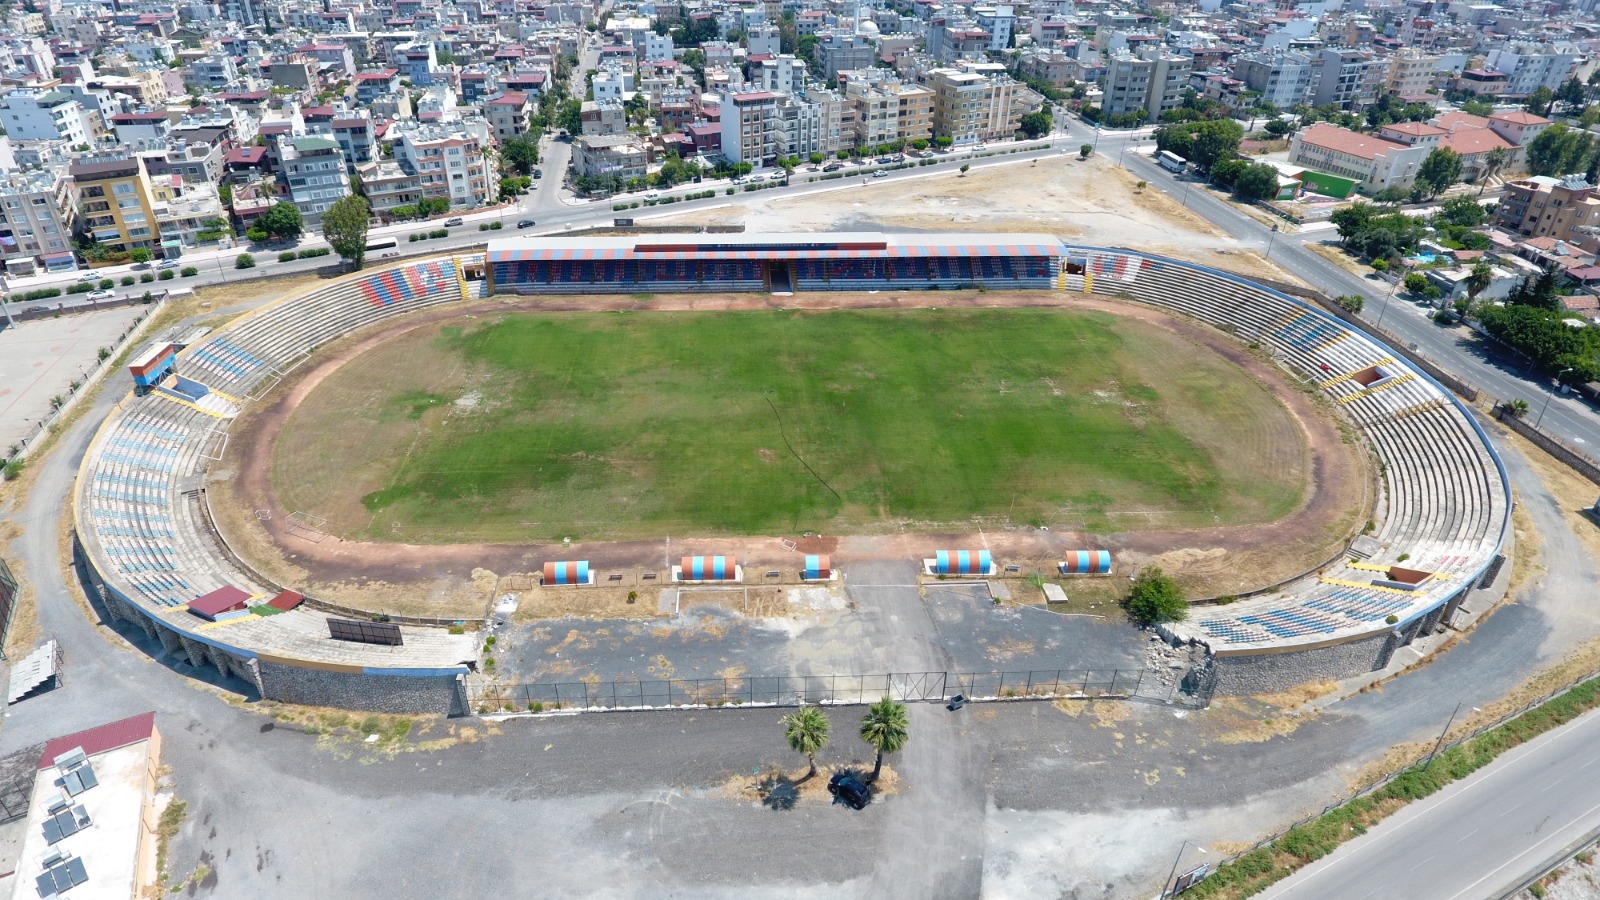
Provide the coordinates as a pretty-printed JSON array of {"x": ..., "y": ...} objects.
[
  {"x": 184, "y": 208},
  {"x": 357, "y": 137},
  {"x": 1529, "y": 67},
  {"x": 315, "y": 173},
  {"x": 969, "y": 106},
  {"x": 785, "y": 74},
  {"x": 1349, "y": 79},
  {"x": 750, "y": 127},
  {"x": 509, "y": 114},
  {"x": 998, "y": 21},
  {"x": 601, "y": 155},
  {"x": 116, "y": 202},
  {"x": 842, "y": 52},
  {"x": 133, "y": 127},
  {"x": 44, "y": 116},
  {"x": 1152, "y": 81},
  {"x": 604, "y": 117},
  {"x": 213, "y": 72},
  {"x": 372, "y": 85},
  {"x": 1052, "y": 66},
  {"x": 36, "y": 216},
  {"x": 1562, "y": 208},
  {"x": 449, "y": 162},
  {"x": 1373, "y": 163},
  {"x": 800, "y": 128},
  {"x": 1412, "y": 73}
]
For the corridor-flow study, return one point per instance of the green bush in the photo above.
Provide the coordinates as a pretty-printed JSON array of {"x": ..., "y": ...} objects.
[
  {"x": 439, "y": 233},
  {"x": 146, "y": 278},
  {"x": 189, "y": 272},
  {"x": 127, "y": 280},
  {"x": 164, "y": 275},
  {"x": 82, "y": 287},
  {"x": 286, "y": 256},
  {"x": 483, "y": 226},
  {"x": 730, "y": 192},
  {"x": 107, "y": 284},
  {"x": 413, "y": 238},
  {"x": 244, "y": 261},
  {"x": 1155, "y": 598},
  {"x": 37, "y": 294},
  {"x": 496, "y": 225}
]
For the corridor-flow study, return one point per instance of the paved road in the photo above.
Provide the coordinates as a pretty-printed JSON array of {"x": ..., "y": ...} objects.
[{"x": 1477, "y": 838}]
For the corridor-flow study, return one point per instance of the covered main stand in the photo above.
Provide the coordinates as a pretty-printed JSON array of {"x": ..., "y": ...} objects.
[
  {"x": 704, "y": 569},
  {"x": 959, "y": 562},
  {"x": 1086, "y": 562},
  {"x": 568, "y": 573},
  {"x": 148, "y": 368}
]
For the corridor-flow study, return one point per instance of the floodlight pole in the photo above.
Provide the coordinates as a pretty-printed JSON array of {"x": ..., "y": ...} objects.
[
  {"x": 1167, "y": 886},
  {"x": 1440, "y": 743}
]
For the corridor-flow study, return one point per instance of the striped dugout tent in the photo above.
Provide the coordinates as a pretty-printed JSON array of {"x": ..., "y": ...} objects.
[
  {"x": 708, "y": 568},
  {"x": 961, "y": 562},
  {"x": 1087, "y": 562},
  {"x": 817, "y": 568},
  {"x": 574, "y": 572}
]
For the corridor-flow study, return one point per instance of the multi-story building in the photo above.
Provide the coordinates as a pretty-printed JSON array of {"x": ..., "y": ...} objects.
[
  {"x": 1563, "y": 208},
  {"x": 604, "y": 117},
  {"x": 1528, "y": 67},
  {"x": 48, "y": 116},
  {"x": 449, "y": 162},
  {"x": 1412, "y": 73},
  {"x": 800, "y": 128},
  {"x": 998, "y": 21},
  {"x": 1282, "y": 79},
  {"x": 372, "y": 85},
  {"x": 1052, "y": 66},
  {"x": 1349, "y": 79},
  {"x": 877, "y": 111},
  {"x": 183, "y": 209},
  {"x": 36, "y": 216},
  {"x": 357, "y": 137},
  {"x": 509, "y": 114},
  {"x": 842, "y": 52},
  {"x": 1152, "y": 81},
  {"x": 213, "y": 72},
  {"x": 116, "y": 203},
  {"x": 750, "y": 127},
  {"x": 387, "y": 186},
  {"x": 315, "y": 173},
  {"x": 785, "y": 74},
  {"x": 1374, "y": 163},
  {"x": 616, "y": 155}
]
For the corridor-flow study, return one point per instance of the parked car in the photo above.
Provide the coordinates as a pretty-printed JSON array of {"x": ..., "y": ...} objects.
[
  {"x": 453, "y": 220},
  {"x": 538, "y": 173},
  {"x": 101, "y": 295},
  {"x": 167, "y": 264},
  {"x": 525, "y": 223},
  {"x": 833, "y": 167},
  {"x": 846, "y": 787},
  {"x": 758, "y": 178},
  {"x": 88, "y": 276}
]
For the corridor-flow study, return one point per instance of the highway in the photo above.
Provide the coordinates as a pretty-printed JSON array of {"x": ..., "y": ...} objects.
[{"x": 1478, "y": 838}]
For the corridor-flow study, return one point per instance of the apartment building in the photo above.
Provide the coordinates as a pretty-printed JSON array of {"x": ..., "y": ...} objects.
[
  {"x": 115, "y": 200},
  {"x": 211, "y": 72},
  {"x": 1562, "y": 208},
  {"x": 183, "y": 208},
  {"x": 618, "y": 155},
  {"x": 1152, "y": 82},
  {"x": 372, "y": 85},
  {"x": 448, "y": 161},
  {"x": 749, "y": 126},
  {"x": 1349, "y": 79},
  {"x": 44, "y": 116},
  {"x": 509, "y": 114},
  {"x": 843, "y": 52},
  {"x": 604, "y": 117},
  {"x": 1528, "y": 67},
  {"x": 315, "y": 172},
  {"x": 969, "y": 106},
  {"x": 1412, "y": 73},
  {"x": 36, "y": 216},
  {"x": 785, "y": 74}
]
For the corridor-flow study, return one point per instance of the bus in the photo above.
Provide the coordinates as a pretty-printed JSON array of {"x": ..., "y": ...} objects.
[
  {"x": 381, "y": 243},
  {"x": 1172, "y": 162}
]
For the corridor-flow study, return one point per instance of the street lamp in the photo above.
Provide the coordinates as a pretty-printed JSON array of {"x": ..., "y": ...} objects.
[
  {"x": 1270, "y": 238},
  {"x": 1548, "y": 396},
  {"x": 1386, "y": 298},
  {"x": 1168, "y": 887},
  {"x": 1439, "y": 743}
]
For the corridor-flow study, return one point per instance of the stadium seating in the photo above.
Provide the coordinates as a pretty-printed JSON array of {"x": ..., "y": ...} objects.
[{"x": 1446, "y": 501}]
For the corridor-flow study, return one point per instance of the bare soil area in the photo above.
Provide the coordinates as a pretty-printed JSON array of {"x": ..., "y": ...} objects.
[
  {"x": 1094, "y": 201},
  {"x": 461, "y": 579}
]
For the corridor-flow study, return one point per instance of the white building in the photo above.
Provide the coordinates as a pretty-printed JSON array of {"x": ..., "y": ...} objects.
[{"x": 48, "y": 116}]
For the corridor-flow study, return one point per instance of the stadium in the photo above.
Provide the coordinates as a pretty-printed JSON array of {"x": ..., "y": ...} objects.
[{"x": 146, "y": 527}]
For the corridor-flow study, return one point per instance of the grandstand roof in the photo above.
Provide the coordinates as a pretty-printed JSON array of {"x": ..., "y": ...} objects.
[{"x": 757, "y": 245}]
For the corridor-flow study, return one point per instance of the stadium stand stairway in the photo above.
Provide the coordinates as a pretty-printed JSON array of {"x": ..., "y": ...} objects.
[{"x": 1445, "y": 503}]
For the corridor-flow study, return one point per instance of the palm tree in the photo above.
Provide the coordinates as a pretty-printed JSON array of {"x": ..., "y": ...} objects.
[
  {"x": 807, "y": 732},
  {"x": 1493, "y": 162},
  {"x": 1480, "y": 277},
  {"x": 886, "y": 728}
]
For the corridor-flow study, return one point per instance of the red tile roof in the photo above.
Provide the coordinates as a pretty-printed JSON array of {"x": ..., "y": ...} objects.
[
  {"x": 1520, "y": 118},
  {"x": 1470, "y": 141},
  {"x": 1343, "y": 140},
  {"x": 219, "y": 601},
  {"x": 100, "y": 740}
]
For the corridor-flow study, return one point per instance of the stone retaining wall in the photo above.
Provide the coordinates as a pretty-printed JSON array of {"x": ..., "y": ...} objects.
[{"x": 1267, "y": 673}]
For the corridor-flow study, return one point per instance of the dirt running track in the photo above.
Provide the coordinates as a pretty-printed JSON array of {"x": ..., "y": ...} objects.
[{"x": 457, "y": 580}]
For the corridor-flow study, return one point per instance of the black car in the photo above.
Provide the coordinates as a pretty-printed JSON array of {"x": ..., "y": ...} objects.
[
  {"x": 847, "y": 787},
  {"x": 538, "y": 173},
  {"x": 525, "y": 223}
]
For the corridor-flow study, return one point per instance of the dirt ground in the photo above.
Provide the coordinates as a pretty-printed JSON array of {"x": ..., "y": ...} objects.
[
  {"x": 459, "y": 580},
  {"x": 1094, "y": 201}
]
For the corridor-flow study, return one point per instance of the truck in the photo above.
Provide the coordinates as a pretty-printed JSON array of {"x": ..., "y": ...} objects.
[{"x": 1172, "y": 162}]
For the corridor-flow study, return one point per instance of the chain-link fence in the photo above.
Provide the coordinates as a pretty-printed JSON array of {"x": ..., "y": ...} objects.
[{"x": 842, "y": 690}]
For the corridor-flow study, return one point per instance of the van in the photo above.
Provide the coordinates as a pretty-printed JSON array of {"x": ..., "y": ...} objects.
[{"x": 453, "y": 220}]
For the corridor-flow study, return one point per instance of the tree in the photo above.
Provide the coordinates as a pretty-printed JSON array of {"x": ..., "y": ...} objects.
[
  {"x": 807, "y": 733},
  {"x": 1518, "y": 407},
  {"x": 345, "y": 227},
  {"x": 520, "y": 153},
  {"x": 886, "y": 728},
  {"x": 244, "y": 261},
  {"x": 139, "y": 255},
  {"x": 1478, "y": 279},
  {"x": 1476, "y": 107},
  {"x": 1572, "y": 94},
  {"x": 1085, "y": 150},
  {"x": 1416, "y": 283},
  {"x": 1155, "y": 598},
  {"x": 1278, "y": 127},
  {"x": 1462, "y": 211},
  {"x": 1540, "y": 101},
  {"x": 255, "y": 234},
  {"x": 1352, "y": 303},
  {"x": 1441, "y": 169},
  {"x": 1559, "y": 150},
  {"x": 943, "y": 141},
  {"x": 1351, "y": 220},
  {"x": 282, "y": 220},
  {"x": 1256, "y": 181},
  {"x": 1202, "y": 143},
  {"x": 964, "y": 168},
  {"x": 816, "y": 159},
  {"x": 1035, "y": 124},
  {"x": 1493, "y": 162}
]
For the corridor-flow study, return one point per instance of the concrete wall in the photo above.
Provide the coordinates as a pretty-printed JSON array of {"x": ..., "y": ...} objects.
[{"x": 1267, "y": 673}]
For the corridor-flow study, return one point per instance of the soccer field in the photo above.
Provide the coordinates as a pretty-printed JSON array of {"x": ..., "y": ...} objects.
[{"x": 609, "y": 426}]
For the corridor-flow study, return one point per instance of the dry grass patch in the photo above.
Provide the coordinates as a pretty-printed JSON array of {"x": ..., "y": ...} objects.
[
  {"x": 1248, "y": 720},
  {"x": 759, "y": 788},
  {"x": 587, "y": 603},
  {"x": 1341, "y": 259}
]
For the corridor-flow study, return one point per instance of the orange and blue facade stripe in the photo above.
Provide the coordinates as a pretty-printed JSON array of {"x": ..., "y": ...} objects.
[
  {"x": 708, "y": 568},
  {"x": 569, "y": 572},
  {"x": 1087, "y": 562},
  {"x": 961, "y": 562}
]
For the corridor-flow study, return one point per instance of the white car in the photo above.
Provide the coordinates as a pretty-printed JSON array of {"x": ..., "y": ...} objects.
[
  {"x": 881, "y": 173},
  {"x": 101, "y": 295},
  {"x": 167, "y": 264},
  {"x": 88, "y": 276}
]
